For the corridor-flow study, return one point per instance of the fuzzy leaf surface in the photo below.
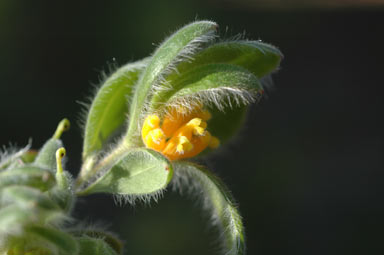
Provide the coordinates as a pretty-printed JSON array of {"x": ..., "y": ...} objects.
[
  {"x": 94, "y": 246},
  {"x": 110, "y": 106},
  {"x": 257, "y": 57},
  {"x": 216, "y": 196},
  {"x": 137, "y": 172},
  {"x": 62, "y": 241},
  {"x": 28, "y": 198},
  {"x": 108, "y": 238},
  {"x": 177, "y": 47},
  {"x": 28, "y": 175},
  {"x": 212, "y": 84},
  {"x": 12, "y": 219},
  {"x": 47, "y": 155}
]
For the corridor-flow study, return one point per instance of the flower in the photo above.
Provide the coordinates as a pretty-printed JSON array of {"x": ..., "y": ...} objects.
[{"x": 180, "y": 134}]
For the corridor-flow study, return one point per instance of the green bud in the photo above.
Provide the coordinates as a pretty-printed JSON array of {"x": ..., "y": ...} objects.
[{"x": 47, "y": 155}]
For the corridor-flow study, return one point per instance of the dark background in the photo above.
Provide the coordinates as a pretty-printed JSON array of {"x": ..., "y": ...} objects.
[{"x": 306, "y": 170}]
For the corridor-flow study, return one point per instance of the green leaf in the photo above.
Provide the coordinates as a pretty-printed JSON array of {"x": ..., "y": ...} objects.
[
  {"x": 137, "y": 172},
  {"x": 29, "y": 176},
  {"x": 62, "y": 241},
  {"x": 179, "y": 46},
  {"x": 12, "y": 219},
  {"x": 94, "y": 246},
  {"x": 36, "y": 203},
  {"x": 217, "y": 197},
  {"x": 27, "y": 198},
  {"x": 211, "y": 84},
  {"x": 64, "y": 198},
  {"x": 224, "y": 88},
  {"x": 225, "y": 124},
  {"x": 110, "y": 106},
  {"x": 47, "y": 155},
  {"x": 108, "y": 238},
  {"x": 259, "y": 58}
]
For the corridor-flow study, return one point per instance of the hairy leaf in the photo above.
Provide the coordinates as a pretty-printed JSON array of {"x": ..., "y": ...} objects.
[
  {"x": 94, "y": 246},
  {"x": 28, "y": 175},
  {"x": 110, "y": 106},
  {"x": 178, "y": 47},
  {"x": 27, "y": 198},
  {"x": 218, "y": 199},
  {"x": 257, "y": 57},
  {"x": 137, "y": 172},
  {"x": 211, "y": 84},
  {"x": 62, "y": 241},
  {"x": 108, "y": 238},
  {"x": 12, "y": 219}
]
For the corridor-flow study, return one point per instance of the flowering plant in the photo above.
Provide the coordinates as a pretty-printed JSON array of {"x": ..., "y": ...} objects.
[{"x": 144, "y": 123}]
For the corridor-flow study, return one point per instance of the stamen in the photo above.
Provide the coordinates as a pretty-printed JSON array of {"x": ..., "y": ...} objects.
[
  {"x": 151, "y": 122},
  {"x": 198, "y": 131},
  {"x": 182, "y": 133},
  {"x": 155, "y": 139},
  {"x": 200, "y": 143},
  {"x": 184, "y": 145}
]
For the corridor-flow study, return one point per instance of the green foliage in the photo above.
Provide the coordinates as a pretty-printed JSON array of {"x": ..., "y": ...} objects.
[
  {"x": 190, "y": 69},
  {"x": 175, "y": 49},
  {"x": 63, "y": 242},
  {"x": 210, "y": 82},
  {"x": 217, "y": 198},
  {"x": 137, "y": 172},
  {"x": 35, "y": 199},
  {"x": 109, "y": 108},
  {"x": 89, "y": 245}
]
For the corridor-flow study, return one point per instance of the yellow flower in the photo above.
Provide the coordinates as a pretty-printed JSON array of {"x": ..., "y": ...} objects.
[{"x": 180, "y": 134}]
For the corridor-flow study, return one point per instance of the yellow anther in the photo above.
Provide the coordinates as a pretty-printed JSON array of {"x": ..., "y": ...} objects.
[
  {"x": 64, "y": 125},
  {"x": 198, "y": 131},
  {"x": 200, "y": 143},
  {"x": 187, "y": 129},
  {"x": 195, "y": 122},
  {"x": 177, "y": 147},
  {"x": 214, "y": 143},
  {"x": 182, "y": 133},
  {"x": 60, "y": 154},
  {"x": 151, "y": 122},
  {"x": 184, "y": 145},
  {"x": 198, "y": 126},
  {"x": 155, "y": 139}
]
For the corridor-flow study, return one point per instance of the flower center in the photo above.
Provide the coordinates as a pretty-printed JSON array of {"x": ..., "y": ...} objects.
[{"x": 180, "y": 134}]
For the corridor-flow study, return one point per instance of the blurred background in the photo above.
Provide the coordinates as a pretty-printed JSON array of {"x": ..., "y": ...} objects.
[{"x": 307, "y": 168}]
